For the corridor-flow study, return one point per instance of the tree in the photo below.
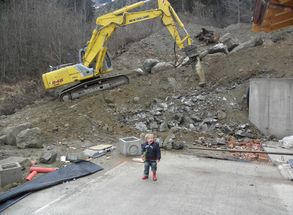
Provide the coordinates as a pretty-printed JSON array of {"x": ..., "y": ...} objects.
[{"x": 35, "y": 34}]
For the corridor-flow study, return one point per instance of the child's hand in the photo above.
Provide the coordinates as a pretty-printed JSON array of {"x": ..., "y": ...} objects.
[
  {"x": 158, "y": 161},
  {"x": 143, "y": 158}
]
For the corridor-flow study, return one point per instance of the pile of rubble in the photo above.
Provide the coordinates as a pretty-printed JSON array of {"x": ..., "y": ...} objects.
[
  {"x": 198, "y": 111},
  {"x": 251, "y": 145}
]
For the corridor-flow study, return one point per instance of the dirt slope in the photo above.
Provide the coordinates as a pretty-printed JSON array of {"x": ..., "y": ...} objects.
[{"x": 98, "y": 118}]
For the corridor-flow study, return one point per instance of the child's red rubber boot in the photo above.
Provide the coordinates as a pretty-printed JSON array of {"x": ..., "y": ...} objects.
[
  {"x": 155, "y": 176},
  {"x": 145, "y": 177}
]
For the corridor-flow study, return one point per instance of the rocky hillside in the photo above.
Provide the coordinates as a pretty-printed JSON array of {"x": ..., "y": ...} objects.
[{"x": 169, "y": 103}]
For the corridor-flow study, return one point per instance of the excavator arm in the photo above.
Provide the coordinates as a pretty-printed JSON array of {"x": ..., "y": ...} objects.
[
  {"x": 97, "y": 46},
  {"x": 94, "y": 58}
]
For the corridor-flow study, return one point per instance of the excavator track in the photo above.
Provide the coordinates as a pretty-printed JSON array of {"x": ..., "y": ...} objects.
[{"x": 91, "y": 86}]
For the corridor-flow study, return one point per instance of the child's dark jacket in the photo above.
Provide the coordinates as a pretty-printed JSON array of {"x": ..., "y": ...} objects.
[{"x": 152, "y": 151}]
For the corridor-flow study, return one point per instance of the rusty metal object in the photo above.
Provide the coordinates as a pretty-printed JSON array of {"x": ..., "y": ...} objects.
[{"x": 271, "y": 15}]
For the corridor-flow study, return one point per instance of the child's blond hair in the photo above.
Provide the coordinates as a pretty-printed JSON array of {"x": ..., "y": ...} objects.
[{"x": 149, "y": 136}]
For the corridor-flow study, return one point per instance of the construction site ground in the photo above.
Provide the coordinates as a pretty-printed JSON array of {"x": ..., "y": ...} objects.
[
  {"x": 97, "y": 118},
  {"x": 100, "y": 119},
  {"x": 186, "y": 185}
]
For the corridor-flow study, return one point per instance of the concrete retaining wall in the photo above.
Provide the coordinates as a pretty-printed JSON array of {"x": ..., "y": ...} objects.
[{"x": 271, "y": 106}]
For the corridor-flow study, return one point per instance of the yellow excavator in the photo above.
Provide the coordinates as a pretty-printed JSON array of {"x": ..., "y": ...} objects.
[{"x": 86, "y": 76}]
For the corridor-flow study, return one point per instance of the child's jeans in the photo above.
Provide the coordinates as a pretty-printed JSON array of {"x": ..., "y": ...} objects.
[{"x": 147, "y": 165}]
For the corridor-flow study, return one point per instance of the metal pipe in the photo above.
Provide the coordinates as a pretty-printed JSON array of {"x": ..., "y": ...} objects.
[
  {"x": 241, "y": 151},
  {"x": 42, "y": 169},
  {"x": 31, "y": 175}
]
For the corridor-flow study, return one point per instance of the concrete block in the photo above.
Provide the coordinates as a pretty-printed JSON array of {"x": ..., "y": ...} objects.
[
  {"x": 24, "y": 162},
  {"x": 77, "y": 156},
  {"x": 130, "y": 146},
  {"x": 271, "y": 105},
  {"x": 10, "y": 173}
]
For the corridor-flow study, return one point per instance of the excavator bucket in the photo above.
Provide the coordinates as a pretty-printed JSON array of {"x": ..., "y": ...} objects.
[
  {"x": 271, "y": 15},
  {"x": 191, "y": 52}
]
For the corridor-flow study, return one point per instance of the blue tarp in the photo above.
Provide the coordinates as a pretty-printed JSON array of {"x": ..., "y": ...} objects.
[{"x": 72, "y": 171}]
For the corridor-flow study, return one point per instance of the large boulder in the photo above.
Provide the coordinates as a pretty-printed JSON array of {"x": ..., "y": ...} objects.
[
  {"x": 148, "y": 64},
  {"x": 3, "y": 139},
  {"x": 30, "y": 138},
  {"x": 141, "y": 126},
  {"x": 164, "y": 126},
  {"x": 12, "y": 132},
  {"x": 169, "y": 141}
]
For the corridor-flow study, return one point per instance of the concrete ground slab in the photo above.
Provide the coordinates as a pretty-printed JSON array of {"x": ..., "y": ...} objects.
[{"x": 186, "y": 185}]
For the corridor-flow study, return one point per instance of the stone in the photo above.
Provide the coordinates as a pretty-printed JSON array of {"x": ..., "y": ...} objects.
[
  {"x": 201, "y": 97},
  {"x": 12, "y": 132},
  {"x": 136, "y": 99},
  {"x": 140, "y": 71},
  {"x": 48, "y": 157},
  {"x": 220, "y": 141},
  {"x": 209, "y": 120},
  {"x": 178, "y": 146},
  {"x": 179, "y": 118},
  {"x": 172, "y": 124},
  {"x": 50, "y": 147},
  {"x": 161, "y": 66},
  {"x": 195, "y": 118},
  {"x": 185, "y": 61},
  {"x": 221, "y": 114},
  {"x": 242, "y": 133},
  {"x": 163, "y": 105},
  {"x": 2, "y": 139},
  {"x": 30, "y": 138},
  {"x": 163, "y": 127},
  {"x": 148, "y": 64},
  {"x": 188, "y": 103},
  {"x": 167, "y": 144},
  {"x": 187, "y": 120},
  {"x": 243, "y": 126},
  {"x": 227, "y": 129},
  {"x": 204, "y": 127},
  {"x": 141, "y": 126},
  {"x": 154, "y": 125}
]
